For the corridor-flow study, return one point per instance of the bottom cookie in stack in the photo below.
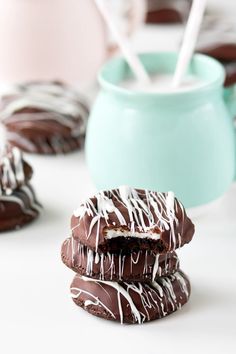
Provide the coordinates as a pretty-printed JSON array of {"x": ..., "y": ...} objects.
[
  {"x": 123, "y": 250},
  {"x": 131, "y": 302}
]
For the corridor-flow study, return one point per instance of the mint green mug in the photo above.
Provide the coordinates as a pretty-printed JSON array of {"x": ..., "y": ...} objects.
[{"x": 183, "y": 141}]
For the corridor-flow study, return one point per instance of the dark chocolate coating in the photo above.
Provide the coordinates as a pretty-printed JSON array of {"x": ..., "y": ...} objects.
[
  {"x": 131, "y": 302},
  {"x": 137, "y": 266},
  {"x": 164, "y": 16},
  {"x": 21, "y": 209},
  {"x": 44, "y": 128},
  {"x": 43, "y": 146},
  {"x": 91, "y": 227},
  {"x": 221, "y": 52},
  {"x": 167, "y": 12}
]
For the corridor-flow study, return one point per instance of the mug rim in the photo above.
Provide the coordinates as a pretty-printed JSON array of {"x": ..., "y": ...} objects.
[{"x": 204, "y": 59}]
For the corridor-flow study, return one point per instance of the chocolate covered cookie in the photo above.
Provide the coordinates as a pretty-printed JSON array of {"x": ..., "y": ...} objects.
[
  {"x": 218, "y": 40},
  {"x": 167, "y": 11},
  {"x": 132, "y": 220},
  {"x": 131, "y": 302},
  {"x": 44, "y": 118},
  {"x": 142, "y": 265},
  {"x": 18, "y": 203}
]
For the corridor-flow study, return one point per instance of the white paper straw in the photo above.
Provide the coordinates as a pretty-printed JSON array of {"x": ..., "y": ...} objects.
[
  {"x": 189, "y": 40},
  {"x": 133, "y": 60}
]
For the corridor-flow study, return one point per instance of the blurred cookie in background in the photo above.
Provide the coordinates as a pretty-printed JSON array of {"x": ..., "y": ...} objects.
[
  {"x": 44, "y": 117},
  {"x": 167, "y": 11},
  {"x": 218, "y": 40}
]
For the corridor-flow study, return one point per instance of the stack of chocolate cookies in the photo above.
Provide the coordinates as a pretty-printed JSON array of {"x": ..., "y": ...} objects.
[{"x": 123, "y": 250}]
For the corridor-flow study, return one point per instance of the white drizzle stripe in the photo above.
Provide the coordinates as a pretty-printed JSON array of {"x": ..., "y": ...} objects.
[
  {"x": 79, "y": 291},
  {"x": 156, "y": 267},
  {"x": 148, "y": 212},
  {"x": 19, "y": 170},
  {"x": 183, "y": 284},
  {"x": 11, "y": 172},
  {"x": 30, "y": 194}
]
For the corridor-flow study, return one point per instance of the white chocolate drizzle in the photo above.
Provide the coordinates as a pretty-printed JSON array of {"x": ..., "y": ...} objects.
[{"x": 11, "y": 172}]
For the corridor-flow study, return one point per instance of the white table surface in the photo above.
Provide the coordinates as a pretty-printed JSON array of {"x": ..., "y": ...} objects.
[{"x": 36, "y": 312}]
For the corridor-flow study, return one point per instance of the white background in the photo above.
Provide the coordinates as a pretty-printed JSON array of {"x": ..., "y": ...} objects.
[{"x": 36, "y": 312}]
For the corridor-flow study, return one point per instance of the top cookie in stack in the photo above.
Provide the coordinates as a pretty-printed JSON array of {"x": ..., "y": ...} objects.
[
  {"x": 123, "y": 251},
  {"x": 132, "y": 219}
]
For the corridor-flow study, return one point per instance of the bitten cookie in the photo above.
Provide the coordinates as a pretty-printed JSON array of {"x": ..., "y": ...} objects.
[
  {"x": 44, "y": 118},
  {"x": 137, "y": 266},
  {"x": 131, "y": 302},
  {"x": 132, "y": 220},
  {"x": 18, "y": 203}
]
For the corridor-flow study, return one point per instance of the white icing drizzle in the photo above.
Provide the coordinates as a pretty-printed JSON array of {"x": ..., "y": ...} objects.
[
  {"x": 11, "y": 172},
  {"x": 149, "y": 214},
  {"x": 156, "y": 267},
  {"x": 33, "y": 203},
  {"x": 152, "y": 296},
  {"x": 170, "y": 209},
  {"x": 182, "y": 283},
  {"x": 166, "y": 283}
]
